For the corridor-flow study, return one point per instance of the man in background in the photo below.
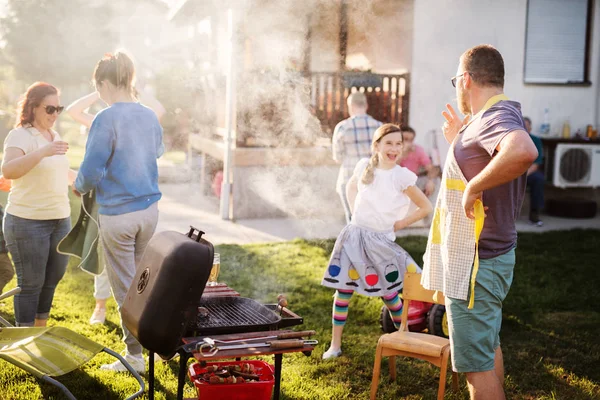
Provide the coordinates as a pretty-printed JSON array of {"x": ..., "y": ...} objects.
[
  {"x": 535, "y": 180},
  {"x": 352, "y": 141},
  {"x": 415, "y": 158}
]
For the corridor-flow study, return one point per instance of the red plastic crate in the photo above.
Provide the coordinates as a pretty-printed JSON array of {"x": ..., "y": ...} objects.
[{"x": 252, "y": 390}]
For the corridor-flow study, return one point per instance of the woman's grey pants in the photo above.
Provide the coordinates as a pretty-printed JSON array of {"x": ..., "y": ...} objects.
[{"x": 124, "y": 238}]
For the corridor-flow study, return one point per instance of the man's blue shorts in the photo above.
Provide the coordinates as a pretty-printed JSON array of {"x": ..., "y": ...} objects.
[{"x": 475, "y": 333}]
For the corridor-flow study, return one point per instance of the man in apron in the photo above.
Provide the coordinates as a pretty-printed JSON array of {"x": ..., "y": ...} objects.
[{"x": 470, "y": 253}]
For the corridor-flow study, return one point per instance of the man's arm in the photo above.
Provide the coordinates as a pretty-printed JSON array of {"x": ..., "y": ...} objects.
[
  {"x": 337, "y": 144},
  {"x": 352, "y": 191},
  {"x": 540, "y": 159},
  {"x": 515, "y": 153}
]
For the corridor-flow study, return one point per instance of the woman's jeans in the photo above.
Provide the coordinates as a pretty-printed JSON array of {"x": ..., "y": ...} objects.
[{"x": 32, "y": 245}]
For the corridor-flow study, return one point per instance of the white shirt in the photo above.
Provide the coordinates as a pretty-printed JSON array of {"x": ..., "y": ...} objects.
[
  {"x": 383, "y": 202},
  {"x": 43, "y": 192}
]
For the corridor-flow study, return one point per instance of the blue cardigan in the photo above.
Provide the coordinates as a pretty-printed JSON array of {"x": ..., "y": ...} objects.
[{"x": 124, "y": 142}]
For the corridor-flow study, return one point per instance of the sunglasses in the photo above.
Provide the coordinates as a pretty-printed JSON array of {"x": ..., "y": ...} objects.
[
  {"x": 453, "y": 80},
  {"x": 52, "y": 109}
]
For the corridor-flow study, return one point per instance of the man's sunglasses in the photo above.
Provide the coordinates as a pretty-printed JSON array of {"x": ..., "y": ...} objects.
[
  {"x": 52, "y": 109},
  {"x": 453, "y": 80}
]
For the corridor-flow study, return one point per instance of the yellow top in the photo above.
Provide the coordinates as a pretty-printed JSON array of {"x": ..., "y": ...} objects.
[{"x": 43, "y": 192}]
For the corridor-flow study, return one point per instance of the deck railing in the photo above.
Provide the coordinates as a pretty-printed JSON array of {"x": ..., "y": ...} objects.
[{"x": 387, "y": 96}]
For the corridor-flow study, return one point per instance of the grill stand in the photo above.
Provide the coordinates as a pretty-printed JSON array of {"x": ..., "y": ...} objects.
[{"x": 184, "y": 356}]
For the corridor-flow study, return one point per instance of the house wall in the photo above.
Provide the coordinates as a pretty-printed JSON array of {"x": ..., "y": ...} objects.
[{"x": 443, "y": 30}]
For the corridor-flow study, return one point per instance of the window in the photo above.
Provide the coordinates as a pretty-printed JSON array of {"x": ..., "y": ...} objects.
[{"x": 557, "y": 43}]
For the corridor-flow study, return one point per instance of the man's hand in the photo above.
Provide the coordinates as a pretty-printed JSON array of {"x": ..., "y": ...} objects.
[
  {"x": 453, "y": 123},
  {"x": 76, "y": 192},
  {"x": 429, "y": 188},
  {"x": 468, "y": 202}
]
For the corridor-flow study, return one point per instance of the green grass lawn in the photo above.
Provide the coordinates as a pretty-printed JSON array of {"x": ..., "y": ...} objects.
[{"x": 549, "y": 336}]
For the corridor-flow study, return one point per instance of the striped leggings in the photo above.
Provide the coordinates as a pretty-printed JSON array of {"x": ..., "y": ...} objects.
[{"x": 342, "y": 299}]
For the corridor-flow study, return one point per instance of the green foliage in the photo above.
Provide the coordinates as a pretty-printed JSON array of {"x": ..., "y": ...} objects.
[
  {"x": 549, "y": 334},
  {"x": 58, "y": 41}
]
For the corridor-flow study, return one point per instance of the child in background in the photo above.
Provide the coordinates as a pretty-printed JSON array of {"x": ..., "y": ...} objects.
[
  {"x": 78, "y": 111},
  {"x": 365, "y": 258}
]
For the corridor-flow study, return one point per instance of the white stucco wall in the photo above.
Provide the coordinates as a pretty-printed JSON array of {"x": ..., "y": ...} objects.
[{"x": 444, "y": 29}]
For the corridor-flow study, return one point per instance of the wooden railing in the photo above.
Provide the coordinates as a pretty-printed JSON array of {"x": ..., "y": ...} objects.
[
  {"x": 263, "y": 124},
  {"x": 387, "y": 96}
]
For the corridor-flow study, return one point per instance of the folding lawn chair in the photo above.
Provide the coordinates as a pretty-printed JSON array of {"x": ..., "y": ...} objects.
[{"x": 51, "y": 351}]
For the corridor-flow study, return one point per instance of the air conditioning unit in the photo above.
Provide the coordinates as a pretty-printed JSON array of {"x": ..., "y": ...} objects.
[{"x": 576, "y": 165}]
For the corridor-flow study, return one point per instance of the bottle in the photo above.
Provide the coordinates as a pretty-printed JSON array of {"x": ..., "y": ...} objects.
[
  {"x": 545, "y": 128},
  {"x": 566, "y": 132}
]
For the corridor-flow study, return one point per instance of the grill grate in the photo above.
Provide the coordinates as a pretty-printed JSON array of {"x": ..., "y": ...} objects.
[{"x": 234, "y": 315}]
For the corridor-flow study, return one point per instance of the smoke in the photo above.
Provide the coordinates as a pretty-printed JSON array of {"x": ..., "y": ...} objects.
[{"x": 278, "y": 45}]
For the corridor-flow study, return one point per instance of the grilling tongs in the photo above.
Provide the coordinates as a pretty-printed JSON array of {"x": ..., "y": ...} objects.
[{"x": 208, "y": 347}]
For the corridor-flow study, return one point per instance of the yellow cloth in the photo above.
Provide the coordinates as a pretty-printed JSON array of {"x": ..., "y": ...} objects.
[
  {"x": 43, "y": 192},
  {"x": 456, "y": 184}
]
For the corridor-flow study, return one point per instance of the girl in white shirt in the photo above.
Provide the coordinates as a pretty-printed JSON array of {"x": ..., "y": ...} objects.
[{"x": 365, "y": 258}]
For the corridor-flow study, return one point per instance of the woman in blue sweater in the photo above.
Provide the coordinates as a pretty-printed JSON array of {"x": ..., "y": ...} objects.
[{"x": 124, "y": 142}]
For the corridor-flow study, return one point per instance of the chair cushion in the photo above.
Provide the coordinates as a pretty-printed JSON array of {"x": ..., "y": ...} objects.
[{"x": 415, "y": 342}]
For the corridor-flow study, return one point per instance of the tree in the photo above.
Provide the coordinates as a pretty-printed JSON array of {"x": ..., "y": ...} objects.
[{"x": 58, "y": 41}]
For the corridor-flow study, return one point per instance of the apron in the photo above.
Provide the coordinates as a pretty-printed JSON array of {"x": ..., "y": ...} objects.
[{"x": 451, "y": 259}]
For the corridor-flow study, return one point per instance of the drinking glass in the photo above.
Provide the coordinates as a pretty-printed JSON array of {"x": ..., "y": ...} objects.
[{"x": 214, "y": 272}]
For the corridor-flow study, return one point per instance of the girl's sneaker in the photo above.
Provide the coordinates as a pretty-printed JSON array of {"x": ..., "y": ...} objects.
[{"x": 332, "y": 353}]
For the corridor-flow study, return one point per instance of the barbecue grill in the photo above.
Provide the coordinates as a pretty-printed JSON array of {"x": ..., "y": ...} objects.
[
  {"x": 227, "y": 315},
  {"x": 165, "y": 302}
]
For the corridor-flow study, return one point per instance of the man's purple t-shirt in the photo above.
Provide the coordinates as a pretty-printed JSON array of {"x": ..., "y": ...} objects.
[{"x": 474, "y": 148}]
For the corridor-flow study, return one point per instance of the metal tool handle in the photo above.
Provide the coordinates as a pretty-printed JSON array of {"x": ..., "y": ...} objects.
[
  {"x": 293, "y": 335},
  {"x": 286, "y": 344},
  {"x": 291, "y": 344},
  {"x": 207, "y": 349}
]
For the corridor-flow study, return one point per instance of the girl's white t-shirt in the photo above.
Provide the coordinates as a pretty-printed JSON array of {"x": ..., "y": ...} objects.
[
  {"x": 383, "y": 202},
  {"x": 43, "y": 192}
]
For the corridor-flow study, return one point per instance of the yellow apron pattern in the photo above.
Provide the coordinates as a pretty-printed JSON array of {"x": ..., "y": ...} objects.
[{"x": 451, "y": 260}]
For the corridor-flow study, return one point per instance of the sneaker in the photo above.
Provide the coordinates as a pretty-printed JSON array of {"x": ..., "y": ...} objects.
[
  {"x": 536, "y": 222},
  {"x": 534, "y": 218},
  {"x": 137, "y": 363},
  {"x": 332, "y": 353},
  {"x": 98, "y": 316}
]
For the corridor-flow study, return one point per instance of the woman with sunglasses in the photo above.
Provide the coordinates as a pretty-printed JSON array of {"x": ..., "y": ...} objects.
[
  {"x": 124, "y": 142},
  {"x": 37, "y": 215}
]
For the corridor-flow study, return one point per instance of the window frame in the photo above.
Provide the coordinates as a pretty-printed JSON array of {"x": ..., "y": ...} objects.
[{"x": 587, "y": 57}]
